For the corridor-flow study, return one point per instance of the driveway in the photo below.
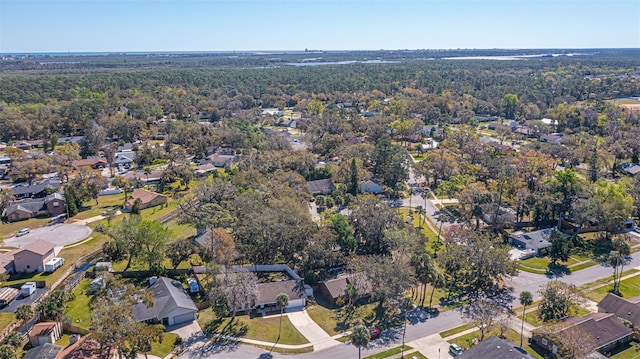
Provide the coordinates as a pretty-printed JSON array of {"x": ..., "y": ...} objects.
[
  {"x": 11, "y": 308},
  {"x": 59, "y": 235}
]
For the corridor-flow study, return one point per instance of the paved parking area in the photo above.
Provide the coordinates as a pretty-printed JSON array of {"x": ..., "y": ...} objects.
[
  {"x": 59, "y": 234},
  {"x": 26, "y": 300}
]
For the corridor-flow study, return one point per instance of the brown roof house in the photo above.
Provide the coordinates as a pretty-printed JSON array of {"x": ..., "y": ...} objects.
[
  {"x": 45, "y": 332},
  {"x": 93, "y": 162},
  {"x": 33, "y": 256},
  {"x": 626, "y": 309},
  {"x": 147, "y": 199},
  {"x": 599, "y": 333},
  {"x": 333, "y": 289},
  {"x": 323, "y": 186}
]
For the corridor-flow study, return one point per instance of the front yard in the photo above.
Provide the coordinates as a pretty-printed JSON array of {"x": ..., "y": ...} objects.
[
  {"x": 466, "y": 341},
  {"x": 264, "y": 329}
]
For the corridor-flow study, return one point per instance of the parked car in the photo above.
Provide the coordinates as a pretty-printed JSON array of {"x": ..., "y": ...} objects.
[
  {"x": 22, "y": 232},
  {"x": 374, "y": 333},
  {"x": 455, "y": 350}
]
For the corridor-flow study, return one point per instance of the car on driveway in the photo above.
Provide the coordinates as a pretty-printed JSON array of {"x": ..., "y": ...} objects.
[
  {"x": 22, "y": 232},
  {"x": 374, "y": 333}
]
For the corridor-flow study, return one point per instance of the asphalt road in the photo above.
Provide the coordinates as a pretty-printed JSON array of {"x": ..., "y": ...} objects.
[
  {"x": 26, "y": 300},
  {"x": 58, "y": 234}
]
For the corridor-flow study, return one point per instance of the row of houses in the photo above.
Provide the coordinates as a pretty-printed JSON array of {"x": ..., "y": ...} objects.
[{"x": 326, "y": 187}]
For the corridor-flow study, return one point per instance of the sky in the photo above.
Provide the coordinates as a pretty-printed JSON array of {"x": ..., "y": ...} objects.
[{"x": 245, "y": 25}]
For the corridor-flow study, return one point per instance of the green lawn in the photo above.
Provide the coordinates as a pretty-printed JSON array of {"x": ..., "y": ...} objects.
[
  {"x": 91, "y": 209},
  {"x": 325, "y": 318},
  {"x": 6, "y": 319},
  {"x": 163, "y": 349},
  {"x": 633, "y": 352},
  {"x": 416, "y": 222},
  {"x": 606, "y": 279},
  {"x": 63, "y": 341},
  {"x": 265, "y": 329},
  {"x": 531, "y": 318},
  {"x": 456, "y": 330},
  {"x": 78, "y": 309},
  {"x": 629, "y": 288},
  {"x": 389, "y": 353}
]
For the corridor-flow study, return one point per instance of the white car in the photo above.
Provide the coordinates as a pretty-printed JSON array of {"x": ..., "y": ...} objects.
[{"x": 22, "y": 232}]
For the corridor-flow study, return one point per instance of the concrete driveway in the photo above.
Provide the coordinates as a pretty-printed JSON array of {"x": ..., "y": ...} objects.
[{"x": 59, "y": 234}]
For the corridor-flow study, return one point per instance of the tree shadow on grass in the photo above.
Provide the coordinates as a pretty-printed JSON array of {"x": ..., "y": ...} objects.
[{"x": 221, "y": 332}]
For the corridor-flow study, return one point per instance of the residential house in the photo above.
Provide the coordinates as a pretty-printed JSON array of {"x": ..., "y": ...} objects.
[
  {"x": 505, "y": 216},
  {"x": 549, "y": 122},
  {"x": 52, "y": 205},
  {"x": 6, "y": 262},
  {"x": 626, "y": 309},
  {"x": 333, "y": 289},
  {"x": 33, "y": 256},
  {"x": 152, "y": 177},
  {"x": 536, "y": 240},
  {"x": 323, "y": 187},
  {"x": 37, "y": 189},
  {"x": 485, "y": 118},
  {"x": 75, "y": 139},
  {"x": 602, "y": 333},
  {"x": 45, "y": 332},
  {"x": 46, "y": 351},
  {"x": 124, "y": 159},
  {"x": 630, "y": 168},
  {"x": 495, "y": 348},
  {"x": 204, "y": 170},
  {"x": 219, "y": 160},
  {"x": 92, "y": 162},
  {"x": 552, "y": 138},
  {"x": 172, "y": 305},
  {"x": 23, "y": 145},
  {"x": 370, "y": 186},
  {"x": 4, "y": 172},
  {"x": 267, "y": 293},
  {"x": 146, "y": 199},
  {"x": 5, "y": 160}
]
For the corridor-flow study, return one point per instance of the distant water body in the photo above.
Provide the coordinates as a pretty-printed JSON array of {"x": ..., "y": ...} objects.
[{"x": 302, "y": 64}]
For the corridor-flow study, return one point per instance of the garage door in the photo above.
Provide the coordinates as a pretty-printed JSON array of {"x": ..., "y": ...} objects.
[{"x": 182, "y": 318}]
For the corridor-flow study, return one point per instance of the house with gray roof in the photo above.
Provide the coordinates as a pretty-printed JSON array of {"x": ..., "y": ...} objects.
[
  {"x": 38, "y": 190},
  {"x": 495, "y": 348},
  {"x": 536, "y": 240},
  {"x": 267, "y": 293},
  {"x": 627, "y": 309},
  {"x": 52, "y": 205},
  {"x": 323, "y": 186},
  {"x": 172, "y": 305}
]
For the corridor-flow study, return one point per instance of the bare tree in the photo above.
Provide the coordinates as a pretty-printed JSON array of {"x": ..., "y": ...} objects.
[{"x": 483, "y": 313}]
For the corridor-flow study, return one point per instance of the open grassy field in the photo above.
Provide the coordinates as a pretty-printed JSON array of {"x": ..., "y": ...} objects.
[
  {"x": 91, "y": 209},
  {"x": 6, "y": 319},
  {"x": 163, "y": 349}
]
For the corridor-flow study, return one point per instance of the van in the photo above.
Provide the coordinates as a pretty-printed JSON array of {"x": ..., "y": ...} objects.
[
  {"x": 455, "y": 350},
  {"x": 22, "y": 232}
]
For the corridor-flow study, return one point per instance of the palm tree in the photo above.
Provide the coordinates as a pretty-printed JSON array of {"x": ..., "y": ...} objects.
[
  {"x": 24, "y": 312},
  {"x": 360, "y": 338},
  {"x": 282, "y": 301},
  {"x": 525, "y": 299},
  {"x": 407, "y": 304}
]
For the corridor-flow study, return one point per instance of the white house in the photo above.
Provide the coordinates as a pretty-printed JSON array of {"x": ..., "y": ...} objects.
[
  {"x": 369, "y": 187},
  {"x": 172, "y": 304}
]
